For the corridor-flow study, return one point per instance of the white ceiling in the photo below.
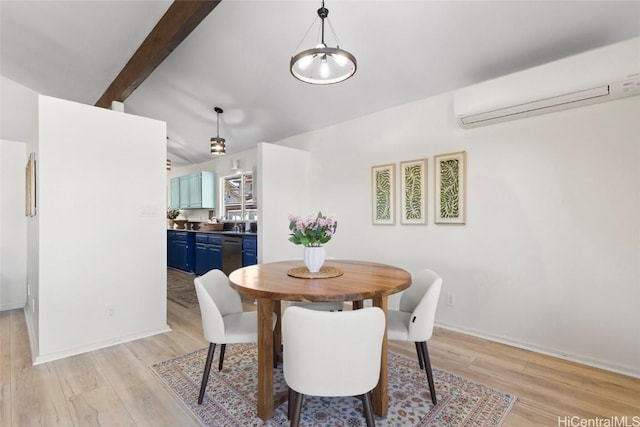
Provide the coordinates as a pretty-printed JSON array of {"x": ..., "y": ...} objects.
[{"x": 238, "y": 57}]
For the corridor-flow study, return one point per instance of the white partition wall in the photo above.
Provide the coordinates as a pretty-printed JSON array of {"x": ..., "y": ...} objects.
[
  {"x": 97, "y": 246},
  {"x": 283, "y": 189},
  {"x": 13, "y": 226}
]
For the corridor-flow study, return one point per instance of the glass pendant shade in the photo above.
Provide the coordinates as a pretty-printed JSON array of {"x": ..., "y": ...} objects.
[
  {"x": 323, "y": 65},
  {"x": 168, "y": 160},
  {"x": 218, "y": 147}
]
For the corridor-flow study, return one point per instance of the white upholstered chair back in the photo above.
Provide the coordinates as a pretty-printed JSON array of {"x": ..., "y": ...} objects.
[
  {"x": 421, "y": 300},
  {"x": 217, "y": 299},
  {"x": 332, "y": 353}
]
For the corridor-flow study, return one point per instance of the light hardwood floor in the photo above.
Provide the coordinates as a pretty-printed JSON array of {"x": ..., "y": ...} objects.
[{"x": 115, "y": 387}]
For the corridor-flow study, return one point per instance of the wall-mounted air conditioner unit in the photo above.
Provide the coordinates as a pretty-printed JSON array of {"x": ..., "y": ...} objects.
[{"x": 598, "y": 75}]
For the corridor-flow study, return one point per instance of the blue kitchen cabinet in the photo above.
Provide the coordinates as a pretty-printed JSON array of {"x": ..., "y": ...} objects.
[
  {"x": 208, "y": 252},
  {"x": 249, "y": 250},
  {"x": 181, "y": 250}
]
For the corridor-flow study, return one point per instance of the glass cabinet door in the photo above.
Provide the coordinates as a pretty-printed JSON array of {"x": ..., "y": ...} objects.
[
  {"x": 250, "y": 202},
  {"x": 233, "y": 191},
  {"x": 248, "y": 188},
  {"x": 239, "y": 201}
]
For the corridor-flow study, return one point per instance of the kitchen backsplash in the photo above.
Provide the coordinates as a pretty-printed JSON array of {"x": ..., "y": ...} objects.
[
  {"x": 197, "y": 215},
  {"x": 203, "y": 215}
]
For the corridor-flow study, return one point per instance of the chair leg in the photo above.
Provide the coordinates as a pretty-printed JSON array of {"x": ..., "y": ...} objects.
[
  {"x": 420, "y": 356},
  {"x": 368, "y": 411},
  {"x": 297, "y": 408},
  {"x": 222, "y": 349},
  {"x": 427, "y": 364},
  {"x": 290, "y": 400},
  {"x": 205, "y": 374},
  {"x": 275, "y": 358}
]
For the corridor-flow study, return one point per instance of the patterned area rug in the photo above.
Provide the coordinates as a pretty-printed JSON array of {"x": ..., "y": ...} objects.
[
  {"x": 180, "y": 288},
  {"x": 231, "y": 395}
]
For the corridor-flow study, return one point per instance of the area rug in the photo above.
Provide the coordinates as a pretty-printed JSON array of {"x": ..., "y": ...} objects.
[
  {"x": 180, "y": 288},
  {"x": 231, "y": 395}
]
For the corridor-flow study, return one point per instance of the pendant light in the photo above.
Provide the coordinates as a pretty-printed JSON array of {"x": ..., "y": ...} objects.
[
  {"x": 323, "y": 65},
  {"x": 217, "y": 144},
  {"x": 168, "y": 160}
]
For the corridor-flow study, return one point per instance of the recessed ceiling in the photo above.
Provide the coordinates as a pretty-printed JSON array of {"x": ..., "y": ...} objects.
[{"x": 239, "y": 55}]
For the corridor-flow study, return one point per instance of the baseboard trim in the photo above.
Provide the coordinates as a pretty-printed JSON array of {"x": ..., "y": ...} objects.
[
  {"x": 37, "y": 360},
  {"x": 600, "y": 364},
  {"x": 12, "y": 306},
  {"x": 33, "y": 343}
]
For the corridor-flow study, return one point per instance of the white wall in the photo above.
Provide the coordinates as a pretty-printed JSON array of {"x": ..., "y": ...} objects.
[
  {"x": 96, "y": 279},
  {"x": 550, "y": 256},
  {"x": 18, "y": 111},
  {"x": 283, "y": 189},
  {"x": 13, "y": 226}
]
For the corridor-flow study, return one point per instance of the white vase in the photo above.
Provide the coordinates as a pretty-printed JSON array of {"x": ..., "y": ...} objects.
[{"x": 314, "y": 257}]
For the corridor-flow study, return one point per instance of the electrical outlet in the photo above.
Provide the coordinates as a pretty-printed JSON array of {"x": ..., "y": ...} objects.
[
  {"x": 450, "y": 301},
  {"x": 111, "y": 311}
]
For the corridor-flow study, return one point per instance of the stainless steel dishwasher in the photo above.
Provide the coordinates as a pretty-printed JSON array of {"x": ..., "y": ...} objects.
[{"x": 231, "y": 253}]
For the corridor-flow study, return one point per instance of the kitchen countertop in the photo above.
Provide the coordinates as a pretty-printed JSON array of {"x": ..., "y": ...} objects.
[{"x": 224, "y": 232}]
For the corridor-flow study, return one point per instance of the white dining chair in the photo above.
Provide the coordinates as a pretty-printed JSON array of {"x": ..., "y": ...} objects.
[
  {"x": 413, "y": 321},
  {"x": 331, "y": 354},
  {"x": 223, "y": 319}
]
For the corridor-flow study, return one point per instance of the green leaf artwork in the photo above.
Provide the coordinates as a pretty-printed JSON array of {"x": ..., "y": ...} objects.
[
  {"x": 413, "y": 192},
  {"x": 449, "y": 188},
  {"x": 383, "y": 194}
]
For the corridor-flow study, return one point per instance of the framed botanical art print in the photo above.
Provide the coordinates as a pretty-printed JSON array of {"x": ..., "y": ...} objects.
[
  {"x": 450, "y": 172},
  {"x": 383, "y": 194},
  {"x": 413, "y": 191}
]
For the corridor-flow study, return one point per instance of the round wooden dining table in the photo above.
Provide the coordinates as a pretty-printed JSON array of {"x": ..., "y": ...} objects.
[{"x": 270, "y": 284}]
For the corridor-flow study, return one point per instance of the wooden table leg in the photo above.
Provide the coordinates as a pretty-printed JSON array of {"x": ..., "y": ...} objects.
[
  {"x": 380, "y": 395},
  {"x": 265, "y": 358}
]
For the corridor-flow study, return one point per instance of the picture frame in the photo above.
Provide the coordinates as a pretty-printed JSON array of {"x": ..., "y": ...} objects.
[
  {"x": 450, "y": 188},
  {"x": 383, "y": 194},
  {"x": 30, "y": 186},
  {"x": 413, "y": 191}
]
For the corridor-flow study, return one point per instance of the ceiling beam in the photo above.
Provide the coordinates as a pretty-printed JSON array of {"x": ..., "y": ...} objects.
[{"x": 182, "y": 17}]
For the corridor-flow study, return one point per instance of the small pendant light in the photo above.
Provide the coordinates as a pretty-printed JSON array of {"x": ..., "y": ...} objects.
[
  {"x": 168, "y": 160},
  {"x": 217, "y": 144}
]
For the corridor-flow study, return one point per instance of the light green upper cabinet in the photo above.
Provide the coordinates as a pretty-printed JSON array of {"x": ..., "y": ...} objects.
[
  {"x": 202, "y": 190},
  {"x": 197, "y": 190},
  {"x": 175, "y": 193},
  {"x": 183, "y": 196}
]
